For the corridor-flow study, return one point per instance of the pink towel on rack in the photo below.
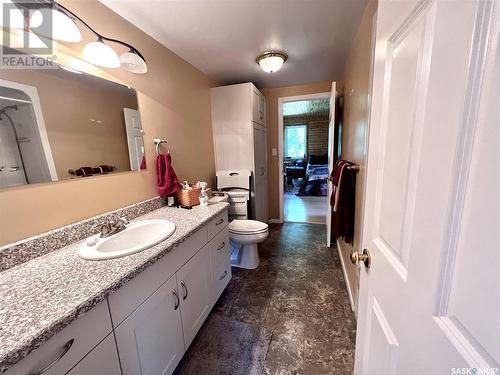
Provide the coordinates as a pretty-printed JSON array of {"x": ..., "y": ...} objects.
[{"x": 166, "y": 178}]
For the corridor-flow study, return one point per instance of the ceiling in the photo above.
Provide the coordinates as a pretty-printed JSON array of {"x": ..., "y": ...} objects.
[
  {"x": 222, "y": 38},
  {"x": 315, "y": 107}
]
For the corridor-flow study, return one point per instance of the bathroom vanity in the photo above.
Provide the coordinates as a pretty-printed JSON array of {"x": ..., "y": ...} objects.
[{"x": 132, "y": 315}]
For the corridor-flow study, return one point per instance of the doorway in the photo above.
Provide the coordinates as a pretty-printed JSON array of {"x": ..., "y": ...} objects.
[{"x": 303, "y": 127}]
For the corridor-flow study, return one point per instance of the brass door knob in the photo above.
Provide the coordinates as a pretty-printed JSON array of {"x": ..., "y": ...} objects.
[{"x": 365, "y": 257}]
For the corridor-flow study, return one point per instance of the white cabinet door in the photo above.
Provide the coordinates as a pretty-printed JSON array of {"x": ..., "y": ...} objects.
[
  {"x": 150, "y": 340},
  {"x": 102, "y": 360},
  {"x": 259, "y": 201},
  {"x": 194, "y": 283}
]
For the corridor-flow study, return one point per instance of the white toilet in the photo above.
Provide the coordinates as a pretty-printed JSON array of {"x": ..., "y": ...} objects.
[{"x": 244, "y": 236}]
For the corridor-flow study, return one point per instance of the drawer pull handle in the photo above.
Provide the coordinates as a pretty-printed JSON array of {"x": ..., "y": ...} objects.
[
  {"x": 177, "y": 302},
  {"x": 185, "y": 290},
  {"x": 221, "y": 246},
  {"x": 219, "y": 222},
  {"x": 223, "y": 275},
  {"x": 66, "y": 349}
]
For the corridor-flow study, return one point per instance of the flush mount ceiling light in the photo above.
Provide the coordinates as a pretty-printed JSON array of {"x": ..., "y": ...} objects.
[
  {"x": 101, "y": 54},
  {"x": 272, "y": 61}
]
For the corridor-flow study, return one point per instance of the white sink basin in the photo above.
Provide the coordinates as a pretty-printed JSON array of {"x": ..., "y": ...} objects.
[{"x": 138, "y": 236}]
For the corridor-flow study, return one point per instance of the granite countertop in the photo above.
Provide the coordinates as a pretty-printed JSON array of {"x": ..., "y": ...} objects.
[{"x": 44, "y": 295}]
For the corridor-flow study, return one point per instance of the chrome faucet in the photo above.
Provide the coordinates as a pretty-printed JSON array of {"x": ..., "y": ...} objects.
[{"x": 111, "y": 227}]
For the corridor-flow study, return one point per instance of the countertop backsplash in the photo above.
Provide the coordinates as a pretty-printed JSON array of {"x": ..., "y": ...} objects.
[{"x": 30, "y": 248}]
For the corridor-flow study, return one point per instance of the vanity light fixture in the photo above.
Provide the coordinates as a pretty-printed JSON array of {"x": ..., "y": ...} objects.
[
  {"x": 133, "y": 62},
  {"x": 64, "y": 27},
  {"x": 101, "y": 54},
  {"x": 272, "y": 61}
]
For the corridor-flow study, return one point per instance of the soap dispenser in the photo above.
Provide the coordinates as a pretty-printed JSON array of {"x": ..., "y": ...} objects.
[{"x": 203, "y": 194}]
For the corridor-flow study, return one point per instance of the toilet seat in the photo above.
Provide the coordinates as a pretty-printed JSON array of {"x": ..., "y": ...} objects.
[{"x": 247, "y": 227}]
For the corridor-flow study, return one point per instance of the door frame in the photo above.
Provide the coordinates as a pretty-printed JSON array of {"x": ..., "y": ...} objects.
[
  {"x": 32, "y": 93},
  {"x": 281, "y": 101}
]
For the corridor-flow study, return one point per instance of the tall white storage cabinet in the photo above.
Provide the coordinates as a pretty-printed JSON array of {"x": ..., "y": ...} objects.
[{"x": 240, "y": 134}]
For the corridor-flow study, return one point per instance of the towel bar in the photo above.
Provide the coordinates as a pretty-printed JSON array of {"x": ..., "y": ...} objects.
[{"x": 158, "y": 142}]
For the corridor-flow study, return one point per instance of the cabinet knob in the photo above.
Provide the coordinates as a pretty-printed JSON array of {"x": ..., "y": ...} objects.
[{"x": 221, "y": 246}]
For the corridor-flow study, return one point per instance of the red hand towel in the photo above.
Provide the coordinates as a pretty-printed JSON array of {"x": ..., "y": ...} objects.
[{"x": 166, "y": 178}]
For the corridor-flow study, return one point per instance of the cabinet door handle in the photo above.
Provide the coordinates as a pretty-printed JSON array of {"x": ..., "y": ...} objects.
[
  {"x": 221, "y": 246},
  {"x": 223, "y": 275},
  {"x": 219, "y": 222},
  {"x": 185, "y": 290},
  {"x": 66, "y": 349},
  {"x": 176, "y": 306}
]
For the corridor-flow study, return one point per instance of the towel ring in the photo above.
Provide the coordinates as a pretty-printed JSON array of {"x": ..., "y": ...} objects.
[{"x": 158, "y": 142}]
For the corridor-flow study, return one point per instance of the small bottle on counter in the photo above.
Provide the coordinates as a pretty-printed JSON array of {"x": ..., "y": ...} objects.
[{"x": 203, "y": 194}]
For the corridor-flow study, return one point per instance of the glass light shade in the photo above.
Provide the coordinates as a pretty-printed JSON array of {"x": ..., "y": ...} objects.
[
  {"x": 133, "y": 62},
  {"x": 63, "y": 27},
  {"x": 271, "y": 62},
  {"x": 101, "y": 54}
]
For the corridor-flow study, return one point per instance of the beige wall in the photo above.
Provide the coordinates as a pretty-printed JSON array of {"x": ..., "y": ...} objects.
[
  {"x": 272, "y": 96},
  {"x": 355, "y": 125},
  {"x": 174, "y": 101},
  {"x": 74, "y": 140}
]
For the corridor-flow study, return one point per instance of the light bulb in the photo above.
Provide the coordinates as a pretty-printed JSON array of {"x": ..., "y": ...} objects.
[
  {"x": 133, "y": 62},
  {"x": 101, "y": 54}
]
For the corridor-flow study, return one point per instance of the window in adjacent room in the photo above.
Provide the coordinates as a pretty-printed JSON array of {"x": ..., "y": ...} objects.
[{"x": 296, "y": 141}]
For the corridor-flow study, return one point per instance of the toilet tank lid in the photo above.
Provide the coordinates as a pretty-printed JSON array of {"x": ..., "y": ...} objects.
[{"x": 233, "y": 179}]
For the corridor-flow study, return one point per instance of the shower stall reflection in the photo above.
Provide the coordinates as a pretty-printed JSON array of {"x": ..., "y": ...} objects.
[{"x": 22, "y": 159}]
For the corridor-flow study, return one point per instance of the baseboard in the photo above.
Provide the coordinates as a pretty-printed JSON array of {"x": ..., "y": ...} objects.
[
  {"x": 346, "y": 278},
  {"x": 275, "y": 221}
]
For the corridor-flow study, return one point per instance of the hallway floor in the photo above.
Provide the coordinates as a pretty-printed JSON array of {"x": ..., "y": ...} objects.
[
  {"x": 289, "y": 316},
  {"x": 304, "y": 209}
]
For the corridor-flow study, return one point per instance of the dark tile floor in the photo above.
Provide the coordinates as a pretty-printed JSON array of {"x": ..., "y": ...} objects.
[{"x": 296, "y": 299}]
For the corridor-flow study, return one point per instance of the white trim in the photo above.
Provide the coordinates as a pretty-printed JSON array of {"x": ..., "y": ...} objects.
[
  {"x": 347, "y": 282},
  {"x": 32, "y": 92},
  {"x": 281, "y": 100}
]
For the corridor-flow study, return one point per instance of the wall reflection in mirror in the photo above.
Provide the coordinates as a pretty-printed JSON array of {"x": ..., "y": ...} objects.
[{"x": 58, "y": 124}]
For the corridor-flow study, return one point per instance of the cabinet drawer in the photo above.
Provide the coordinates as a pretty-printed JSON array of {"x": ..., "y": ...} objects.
[
  {"x": 221, "y": 278},
  {"x": 219, "y": 248},
  {"x": 217, "y": 224},
  {"x": 126, "y": 299},
  {"x": 70, "y": 345},
  {"x": 103, "y": 360}
]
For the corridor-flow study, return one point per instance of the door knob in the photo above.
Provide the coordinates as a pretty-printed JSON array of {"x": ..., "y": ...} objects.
[{"x": 365, "y": 257}]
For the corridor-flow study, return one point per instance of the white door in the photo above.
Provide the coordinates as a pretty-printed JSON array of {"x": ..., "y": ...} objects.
[
  {"x": 430, "y": 303},
  {"x": 134, "y": 137},
  {"x": 194, "y": 283},
  {"x": 259, "y": 204},
  {"x": 150, "y": 340},
  {"x": 331, "y": 157}
]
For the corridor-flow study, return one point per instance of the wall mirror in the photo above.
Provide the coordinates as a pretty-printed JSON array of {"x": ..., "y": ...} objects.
[{"x": 58, "y": 124}]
